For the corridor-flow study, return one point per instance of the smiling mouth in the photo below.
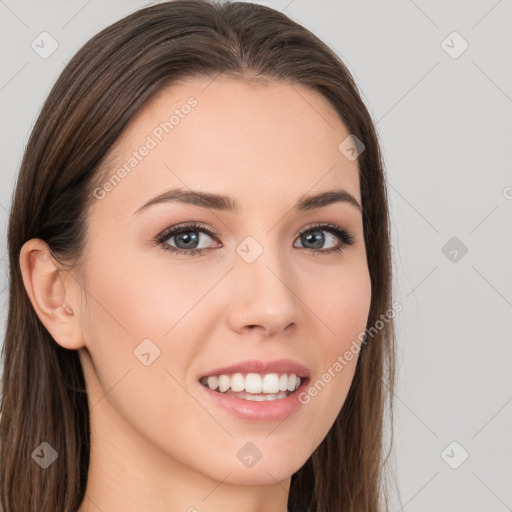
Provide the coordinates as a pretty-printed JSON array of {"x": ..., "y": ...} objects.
[{"x": 253, "y": 386}]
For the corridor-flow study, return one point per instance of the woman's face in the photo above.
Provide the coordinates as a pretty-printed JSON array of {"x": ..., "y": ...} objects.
[{"x": 156, "y": 321}]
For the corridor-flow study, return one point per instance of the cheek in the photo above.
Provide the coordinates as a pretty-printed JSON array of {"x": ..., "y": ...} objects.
[
  {"x": 135, "y": 309},
  {"x": 349, "y": 316},
  {"x": 343, "y": 308},
  {"x": 340, "y": 301},
  {"x": 141, "y": 300}
]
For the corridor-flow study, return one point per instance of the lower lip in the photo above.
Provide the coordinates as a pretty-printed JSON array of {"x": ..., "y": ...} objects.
[{"x": 273, "y": 410}]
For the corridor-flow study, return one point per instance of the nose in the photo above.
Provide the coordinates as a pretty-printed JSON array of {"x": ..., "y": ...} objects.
[{"x": 264, "y": 295}]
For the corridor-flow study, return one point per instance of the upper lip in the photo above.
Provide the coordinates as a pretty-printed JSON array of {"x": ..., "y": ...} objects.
[{"x": 255, "y": 366}]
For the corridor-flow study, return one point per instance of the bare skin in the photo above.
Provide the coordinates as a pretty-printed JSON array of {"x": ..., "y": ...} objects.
[{"x": 158, "y": 444}]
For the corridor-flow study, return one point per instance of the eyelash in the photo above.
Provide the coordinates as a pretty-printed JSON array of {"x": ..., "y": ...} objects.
[{"x": 345, "y": 237}]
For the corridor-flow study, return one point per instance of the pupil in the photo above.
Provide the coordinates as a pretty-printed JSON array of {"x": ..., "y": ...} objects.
[
  {"x": 318, "y": 239},
  {"x": 186, "y": 238}
]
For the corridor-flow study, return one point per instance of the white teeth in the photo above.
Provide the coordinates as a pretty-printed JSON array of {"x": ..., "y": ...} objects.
[
  {"x": 283, "y": 382},
  {"x": 253, "y": 383},
  {"x": 272, "y": 384},
  {"x": 224, "y": 383},
  {"x": 257, "y": 398},
  {"x": 237, "y": 382},
  {"x": 213, "y": 382},
  {"x": 292, "y": 380},
  {"x": 268, "y": 398}
]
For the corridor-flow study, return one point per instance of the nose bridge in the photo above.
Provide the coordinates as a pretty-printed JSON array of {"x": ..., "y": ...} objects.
[
  {"x": 262, "y": 259},
  {"x": 264, "y": 282},
  {"x": 265, "y": 274}
]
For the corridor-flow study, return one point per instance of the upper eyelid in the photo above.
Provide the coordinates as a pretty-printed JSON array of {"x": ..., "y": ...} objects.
[{"x": 169, "y": 231}]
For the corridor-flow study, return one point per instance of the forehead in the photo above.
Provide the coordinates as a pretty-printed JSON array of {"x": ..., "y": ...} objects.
[{"x": 249, "y": 140}]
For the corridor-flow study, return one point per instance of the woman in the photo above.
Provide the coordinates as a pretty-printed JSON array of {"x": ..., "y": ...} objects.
[{"x": 200, "y": 311}]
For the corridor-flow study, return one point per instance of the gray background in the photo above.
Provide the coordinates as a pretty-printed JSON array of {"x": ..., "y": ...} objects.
[{"x": 445, "y": 128}]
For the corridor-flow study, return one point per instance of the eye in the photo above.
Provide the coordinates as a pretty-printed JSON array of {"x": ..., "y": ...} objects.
[
  {"x": 314, "y": 236},
  {"x": 186, "y": 237}
]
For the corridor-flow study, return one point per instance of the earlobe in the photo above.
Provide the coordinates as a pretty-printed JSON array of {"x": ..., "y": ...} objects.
[{"x": 47, "y": 292}]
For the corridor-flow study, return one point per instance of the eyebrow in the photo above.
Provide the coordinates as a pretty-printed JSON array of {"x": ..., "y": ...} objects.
[{"x": 226, "y": 203}]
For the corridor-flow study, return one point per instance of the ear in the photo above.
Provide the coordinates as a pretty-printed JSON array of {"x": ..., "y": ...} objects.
[{"x": 52, "y": 302}]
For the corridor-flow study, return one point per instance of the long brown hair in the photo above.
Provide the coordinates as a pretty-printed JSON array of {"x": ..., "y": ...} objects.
[{"x": 101, "y": 89}]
